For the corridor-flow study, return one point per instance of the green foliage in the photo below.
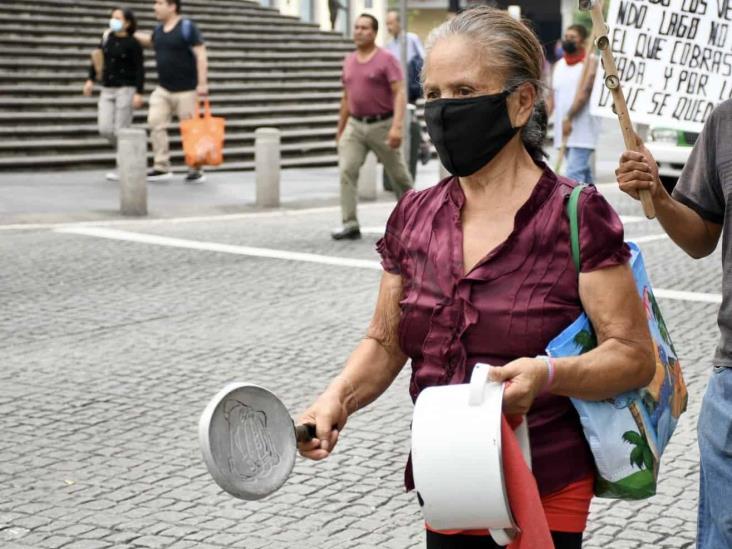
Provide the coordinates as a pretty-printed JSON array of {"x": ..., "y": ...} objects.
[
  {"x": 636, "y": 457},
  {"x": 586, "y": 340},
  {"x": 659, "y": 318},
  {"x": 632, "y": 437},
  {"x": 641, "y": 456},
  {"x": 640, "y": 485}
]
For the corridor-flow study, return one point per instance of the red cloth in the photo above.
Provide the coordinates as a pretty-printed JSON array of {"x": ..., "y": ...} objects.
[
  {"x": 523, "y": 494},
  {"x": 574, "y": 58}
]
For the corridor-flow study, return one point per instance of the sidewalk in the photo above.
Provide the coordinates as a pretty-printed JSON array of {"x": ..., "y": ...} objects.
[
  {"x": 68, "y": 196},
  {"x": 86, "y": 195}
]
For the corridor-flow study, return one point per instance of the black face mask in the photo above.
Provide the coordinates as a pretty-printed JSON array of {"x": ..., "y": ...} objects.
[
  {"x": 468, "y": 133},
  {"x": 569, "y": 47}
]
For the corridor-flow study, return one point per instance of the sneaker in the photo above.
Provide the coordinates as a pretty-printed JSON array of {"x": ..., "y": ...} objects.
[
  {"x": 157, "y": 175},
  {"x": 195, "y": 176},
  {"x": 112, "y": 176}
]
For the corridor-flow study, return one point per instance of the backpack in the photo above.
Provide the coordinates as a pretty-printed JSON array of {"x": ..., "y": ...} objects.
[
  {"x": 414, "y": 81},
  {"x": 627, "y": 433}
]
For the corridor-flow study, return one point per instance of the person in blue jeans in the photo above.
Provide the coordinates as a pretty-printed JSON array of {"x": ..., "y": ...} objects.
[
  {"x": 569, "y": 103},
  {"x": 695, "y": 216}
]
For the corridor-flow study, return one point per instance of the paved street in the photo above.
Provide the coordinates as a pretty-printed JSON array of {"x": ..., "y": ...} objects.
[{"x": 111, "y": 347}]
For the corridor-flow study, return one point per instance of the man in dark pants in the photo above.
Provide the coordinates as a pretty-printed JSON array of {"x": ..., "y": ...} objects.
[{"x": 183, "y": 79}]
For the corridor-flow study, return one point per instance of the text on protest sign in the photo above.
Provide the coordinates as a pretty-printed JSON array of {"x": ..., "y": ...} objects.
[{"x": 674, "y": 60}]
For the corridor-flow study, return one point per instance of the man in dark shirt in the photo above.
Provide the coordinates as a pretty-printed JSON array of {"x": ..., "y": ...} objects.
[
  {"x": 183, "y": 79},
  {"x": 695, "y": 215}
]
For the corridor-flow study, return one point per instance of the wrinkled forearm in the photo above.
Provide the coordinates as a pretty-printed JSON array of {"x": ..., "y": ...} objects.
[
  {"x": 615, "y": 366},
  {"x": 369, "y": 371}
]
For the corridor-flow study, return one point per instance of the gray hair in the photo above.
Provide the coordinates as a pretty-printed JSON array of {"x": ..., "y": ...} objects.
[{"x": 508, "y": 46}]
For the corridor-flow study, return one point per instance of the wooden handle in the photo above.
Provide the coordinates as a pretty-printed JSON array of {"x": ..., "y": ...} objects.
[
  {"x": 560, "y": 156},
  {"x": 612, "y": 81}
]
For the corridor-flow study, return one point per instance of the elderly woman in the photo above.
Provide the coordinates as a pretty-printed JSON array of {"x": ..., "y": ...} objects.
[{"x": 479, "y": 269}]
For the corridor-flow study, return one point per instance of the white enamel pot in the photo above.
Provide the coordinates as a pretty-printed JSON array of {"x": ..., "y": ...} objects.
[{"x": 456, "y": 457}]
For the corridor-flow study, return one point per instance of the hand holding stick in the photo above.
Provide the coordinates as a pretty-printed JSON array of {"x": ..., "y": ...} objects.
[{"x": 612, "y": 81}]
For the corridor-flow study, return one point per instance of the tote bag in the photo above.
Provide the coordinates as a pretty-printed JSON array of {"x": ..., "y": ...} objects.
[
  {"x": 628, "y": 433},
  {"x": 203, "y": 138}
]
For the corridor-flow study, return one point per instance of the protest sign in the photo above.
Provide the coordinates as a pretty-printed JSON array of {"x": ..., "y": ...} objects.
[{"x": 674, "y": 59}]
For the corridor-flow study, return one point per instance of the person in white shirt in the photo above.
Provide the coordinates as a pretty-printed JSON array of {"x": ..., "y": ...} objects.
[{"x": 570, "y": 103}]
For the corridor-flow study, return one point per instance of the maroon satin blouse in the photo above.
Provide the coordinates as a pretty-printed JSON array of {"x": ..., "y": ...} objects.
[{"x": 510, "y": 305}]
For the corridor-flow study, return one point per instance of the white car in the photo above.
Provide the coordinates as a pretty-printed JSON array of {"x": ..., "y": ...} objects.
[{"x": 671, "y": 149}]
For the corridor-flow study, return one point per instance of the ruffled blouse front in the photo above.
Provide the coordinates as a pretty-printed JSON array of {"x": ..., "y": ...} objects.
[{"x": 510, "y": 305}]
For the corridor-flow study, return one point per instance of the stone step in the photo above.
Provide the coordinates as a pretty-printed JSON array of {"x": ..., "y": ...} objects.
[
  {"x": 147, "y": 24},
  {"x": 43, "y": 91},
  {"x": 200, "y": 7},
  {"x": 90, "y": 129},
  {"x": 235, "y": 154},
  {"x": 95, "y": 32},
  {"x": 82, "y": 74},
  {"x": 63, "y": 65},
  {"x": 21, "y": 104},
  {"x": 24, "y": 146},
  {"x": 74, "y": 52},
  {"x": 86, "y": 115},
  {"x": 92, "y": 42},
  {"x": 97, "y": 20}
]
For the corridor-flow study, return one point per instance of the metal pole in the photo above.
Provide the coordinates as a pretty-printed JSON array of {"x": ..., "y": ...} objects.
[{"x": 403, "y": 46}]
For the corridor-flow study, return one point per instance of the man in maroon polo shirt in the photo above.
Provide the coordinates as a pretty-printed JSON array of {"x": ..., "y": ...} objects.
[{"x": 371, "y": 119}]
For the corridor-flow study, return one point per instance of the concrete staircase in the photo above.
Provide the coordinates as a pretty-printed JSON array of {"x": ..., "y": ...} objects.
[{"x": 265, "y": 69}]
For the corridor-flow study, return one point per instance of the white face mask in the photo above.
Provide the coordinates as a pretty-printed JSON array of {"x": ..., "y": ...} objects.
[{"x": 116, "y": 25}]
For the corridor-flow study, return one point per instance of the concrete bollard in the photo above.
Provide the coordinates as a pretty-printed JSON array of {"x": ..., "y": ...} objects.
[
  {"x": 367, "y": 187},
  {"x": 132, "y": 165},
  {"x": 267, "y": 165}
]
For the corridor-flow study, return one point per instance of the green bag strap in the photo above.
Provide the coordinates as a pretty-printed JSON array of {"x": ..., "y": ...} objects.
[{"x": 573, "y": 215}]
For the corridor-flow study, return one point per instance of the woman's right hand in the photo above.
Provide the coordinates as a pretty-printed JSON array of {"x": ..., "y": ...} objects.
[
  {"x": 88, "y": 88},
  {"x": 329, "y": 414}
]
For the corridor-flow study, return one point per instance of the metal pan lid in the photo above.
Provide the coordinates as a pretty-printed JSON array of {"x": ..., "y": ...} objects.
[{"x": 248, "y": 441}]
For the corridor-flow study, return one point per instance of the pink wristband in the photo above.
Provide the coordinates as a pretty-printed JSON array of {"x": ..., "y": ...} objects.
[{"x": 550, "y": 367}]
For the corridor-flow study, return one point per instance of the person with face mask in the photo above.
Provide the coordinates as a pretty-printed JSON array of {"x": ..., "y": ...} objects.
[
  {"x": 121, "y": 72},
  {"x": 574, "y": 126},
  {"x": 479, "y": 269}
]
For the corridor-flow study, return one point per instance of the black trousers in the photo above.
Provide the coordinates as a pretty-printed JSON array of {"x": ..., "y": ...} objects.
[{"x": 562, "y": 540}]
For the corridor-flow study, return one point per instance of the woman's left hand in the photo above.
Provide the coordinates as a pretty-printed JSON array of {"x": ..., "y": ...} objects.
[
  {"x": 137, "y": 101},
  {"x": 526, "y": 378}
]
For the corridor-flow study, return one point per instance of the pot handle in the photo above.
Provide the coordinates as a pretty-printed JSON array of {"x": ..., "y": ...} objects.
[{"x": 478, "y": 381}]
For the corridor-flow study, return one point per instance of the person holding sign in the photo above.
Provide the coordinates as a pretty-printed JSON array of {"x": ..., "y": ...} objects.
[
  {"x": 694, "y": 216},
  {"x": 575, "y": 130},
  {"x": 478, "y": 269}
]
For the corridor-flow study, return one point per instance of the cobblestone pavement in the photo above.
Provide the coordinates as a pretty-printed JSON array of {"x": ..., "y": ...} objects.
[{"x": 110, "y": 350}]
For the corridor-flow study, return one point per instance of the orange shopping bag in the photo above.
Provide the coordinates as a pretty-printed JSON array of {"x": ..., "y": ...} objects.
[{"x": 203, "y": 138}]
